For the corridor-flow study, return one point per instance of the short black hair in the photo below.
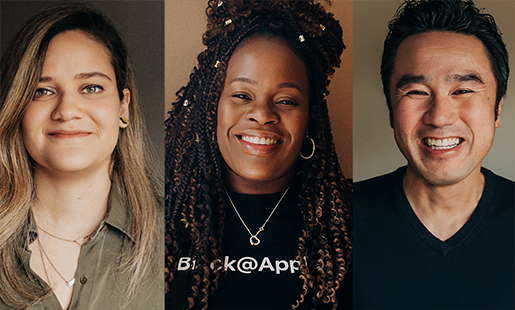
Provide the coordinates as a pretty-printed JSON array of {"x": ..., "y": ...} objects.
[{"x": 419, "y": 16}]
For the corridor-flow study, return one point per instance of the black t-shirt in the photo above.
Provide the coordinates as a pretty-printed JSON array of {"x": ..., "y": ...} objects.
[
  {"x": 399, "y": 264},
  {"x": 265, "y": 276}
]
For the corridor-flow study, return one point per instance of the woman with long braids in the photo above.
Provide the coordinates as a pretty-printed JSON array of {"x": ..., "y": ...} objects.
[
  {"x": 257, "y": 209},
  {"x": 78, "y": 203}
]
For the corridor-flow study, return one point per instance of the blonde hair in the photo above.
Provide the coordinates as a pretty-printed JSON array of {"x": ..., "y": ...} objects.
[{"x": 132, "y": 172}]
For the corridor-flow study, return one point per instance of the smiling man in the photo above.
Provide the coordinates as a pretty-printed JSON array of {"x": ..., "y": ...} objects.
[{"x": 439, "y": 232}]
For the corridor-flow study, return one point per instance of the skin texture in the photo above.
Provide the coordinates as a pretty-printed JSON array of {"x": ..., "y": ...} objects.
[
  {"x": 73, "y": 122},
  {"x": 70, "y": 130},
  {"x": 265, "y": 95},
  {"x": 442, "y": 87}
]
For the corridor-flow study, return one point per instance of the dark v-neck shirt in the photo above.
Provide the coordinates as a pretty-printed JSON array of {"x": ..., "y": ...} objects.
[{"x": 399, "y": 264}]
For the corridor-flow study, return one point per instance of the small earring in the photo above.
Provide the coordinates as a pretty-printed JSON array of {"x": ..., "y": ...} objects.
[
  {"x": 124, "y": 120},
  {"x": 312, "y": 152}
]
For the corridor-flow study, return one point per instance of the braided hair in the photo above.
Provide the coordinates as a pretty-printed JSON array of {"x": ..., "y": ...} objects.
[{"x": 194, "y": 191}]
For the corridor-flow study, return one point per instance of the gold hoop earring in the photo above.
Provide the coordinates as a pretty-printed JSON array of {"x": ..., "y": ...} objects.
[
  {"x": 312, "y": 152},
  {"x": 124, "y": 120}
]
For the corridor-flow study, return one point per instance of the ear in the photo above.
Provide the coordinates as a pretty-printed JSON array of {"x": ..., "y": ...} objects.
[
  {"x": 124, "y": 107},
  {"x": 498, "y": 120}
]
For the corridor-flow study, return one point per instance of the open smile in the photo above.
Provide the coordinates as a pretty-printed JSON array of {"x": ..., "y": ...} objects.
[
  {"x": 261, "y": 144},
  {"x": 258, "y": 140},
  {"x": 442, "y": 144}
]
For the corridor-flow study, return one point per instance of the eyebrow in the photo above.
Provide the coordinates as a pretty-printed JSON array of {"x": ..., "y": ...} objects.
[
  {"x": 408, "y": 79},
  {"x": 252, "y": 82},
  {"x": 244, "y": 80},
  {"x": 289, "y": 85},
  {"x": 88, "y": 75},
  {"x": 80, "y": 76},
  {"x": 467, "y": 77},
  {"x": 45, "y": 79}
]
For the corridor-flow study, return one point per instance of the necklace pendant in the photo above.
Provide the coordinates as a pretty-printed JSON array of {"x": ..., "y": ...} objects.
[
  {"x": 71, "y": 282},
  {"x": 254, "y": 240}
]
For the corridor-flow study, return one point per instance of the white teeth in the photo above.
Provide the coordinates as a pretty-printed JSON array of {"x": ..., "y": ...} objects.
[
  {"x": 442, "y": 144},
  {"x": 257, "y": 140}
]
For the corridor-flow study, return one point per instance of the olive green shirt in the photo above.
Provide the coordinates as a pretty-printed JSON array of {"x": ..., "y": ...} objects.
[{"x": 98, "y": 282}]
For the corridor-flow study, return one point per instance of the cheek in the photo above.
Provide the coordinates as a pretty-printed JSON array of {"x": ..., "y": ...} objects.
[
  {"x": 31, "y": 124},
  {"x": 298, "y": 128},
  {"x": 222, "y": 132},
  {"x": 478, "y": 110},
  {"x": 106, "y": 114},
  {"x": 221, "y": 119},
  {"x": 226, "y": 118},
  {"x": 403, "y": 127},
  {"x": 479, "y": 118},
  {"x": 406, "y": 116},
  {"x": 220, "y": 125}
]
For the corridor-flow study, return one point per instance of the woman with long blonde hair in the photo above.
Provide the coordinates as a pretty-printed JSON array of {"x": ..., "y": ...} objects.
[{"x": 78, "y": 201}]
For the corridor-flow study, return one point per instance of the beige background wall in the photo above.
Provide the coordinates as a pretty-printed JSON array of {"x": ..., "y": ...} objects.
[
  {"x": 185, "y": 22},
  {"x": 375, "y": 151}
]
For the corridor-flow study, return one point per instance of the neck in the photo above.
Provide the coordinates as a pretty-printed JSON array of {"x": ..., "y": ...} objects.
[
  {"x": 443, "y": 209},
  {"x": 240, "y": 185},
  {"x": 70, "y": 205}
]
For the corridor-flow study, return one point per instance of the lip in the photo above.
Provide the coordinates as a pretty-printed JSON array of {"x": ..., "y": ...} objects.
[
  {"x": 68, "y": 134},
  {"x": 267, "y": 142}
]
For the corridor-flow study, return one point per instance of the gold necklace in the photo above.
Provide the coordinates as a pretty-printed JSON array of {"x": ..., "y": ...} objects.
[
  {"x": 43, "y": 261},
  {"x": 42, "y": 252},
  {"x": 84, "y": 239},
  {"x": 254, "y": 240}
]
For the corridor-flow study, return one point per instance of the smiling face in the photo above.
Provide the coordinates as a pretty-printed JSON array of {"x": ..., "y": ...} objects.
[
  {"x": 262, "y": 115},
  {"x": 72, "y": 124},
  {"x": 443, "y": 98}
]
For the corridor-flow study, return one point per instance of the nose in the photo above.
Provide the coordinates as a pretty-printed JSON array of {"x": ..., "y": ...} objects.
[
  {"x": 67, "y": 108},
  {"x": 263, "y": 111},
  {"x": 442, "y": 112}
]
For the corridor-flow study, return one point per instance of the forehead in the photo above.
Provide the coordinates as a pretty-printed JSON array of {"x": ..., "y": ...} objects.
[
  {"x": 440, "y": 55},
  {"x": 262, "y": 52},
  {"x": 76, "y": 49}
]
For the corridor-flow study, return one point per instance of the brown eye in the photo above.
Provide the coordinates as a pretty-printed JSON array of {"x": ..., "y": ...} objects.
[
  {"x": 287, "y": 102},
  {"x": 241, "y": 96},
  {"x": 416, "y": 93},
  {"x": 462, "y": 91}
]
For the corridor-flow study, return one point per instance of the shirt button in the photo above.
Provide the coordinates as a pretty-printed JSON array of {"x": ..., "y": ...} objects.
[{"x": 83, "y": 279}]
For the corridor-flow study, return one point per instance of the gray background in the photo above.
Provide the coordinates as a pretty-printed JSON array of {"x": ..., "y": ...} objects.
[
  {"x": 375, "y": 151},
  {"x": 141, "y": 23}
]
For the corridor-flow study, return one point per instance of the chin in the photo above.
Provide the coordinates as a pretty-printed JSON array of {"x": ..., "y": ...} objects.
[
  {"x": 72, "y": 165},
  {"x": 444, "y": 178},
  {"x": 260, "y": 177}
]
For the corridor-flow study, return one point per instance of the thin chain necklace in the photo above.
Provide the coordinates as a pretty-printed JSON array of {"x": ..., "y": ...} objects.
[
  {"x": 254, "y": 240},
  {"x": 84, "y": 239},
  {"x": 43, "y": 252}
]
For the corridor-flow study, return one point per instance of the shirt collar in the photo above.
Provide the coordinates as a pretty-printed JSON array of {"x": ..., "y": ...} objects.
[
  {"x": 116, "y": 217},
  {"x": 117, "y": 214},
  {"x": 32, "y": 231}
]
